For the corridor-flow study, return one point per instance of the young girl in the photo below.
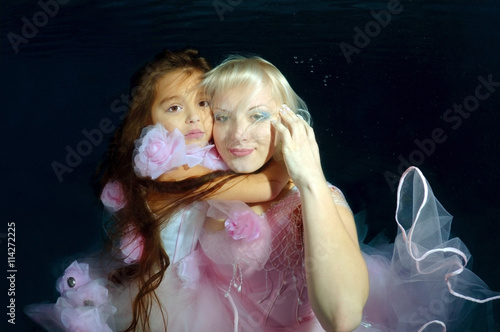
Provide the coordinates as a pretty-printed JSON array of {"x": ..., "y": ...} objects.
[{"x": 158, "y": 165}]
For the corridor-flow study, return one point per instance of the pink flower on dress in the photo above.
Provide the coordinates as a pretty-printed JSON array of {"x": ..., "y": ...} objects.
[
  {"x": 243, "y": 225},
  {"x": 91, "y": 294},
  {"x": 213, "y": 160},
  {"x": 158, "y": 151},
  {"x": 112, "y": 196},
  {"x": 206, "y": 156},
  {"x": 84, "y": 319},
  {"x": 131, "y": 246},
  {"x": 75, "y": 276}
]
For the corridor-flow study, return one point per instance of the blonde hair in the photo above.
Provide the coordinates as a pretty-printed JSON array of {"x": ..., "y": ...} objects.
[{"x": 237, "y": 70}]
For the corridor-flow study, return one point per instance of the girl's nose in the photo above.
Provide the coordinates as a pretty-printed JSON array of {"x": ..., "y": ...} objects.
[{"x": 193, "y": 115}]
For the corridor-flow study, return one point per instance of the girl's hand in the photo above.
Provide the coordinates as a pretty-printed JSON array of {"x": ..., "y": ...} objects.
[{"x": 299, "y": 148}]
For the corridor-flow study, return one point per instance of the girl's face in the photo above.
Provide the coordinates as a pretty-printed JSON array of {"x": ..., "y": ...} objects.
[
  {"x": 180, "y": 104},
  {"x": 243, "y": 133}
]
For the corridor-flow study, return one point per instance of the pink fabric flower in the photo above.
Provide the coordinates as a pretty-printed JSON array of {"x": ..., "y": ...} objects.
[
  {"x": 158, "y": 151},
  {"x": 206, "y": 156},
  {"x": 131, "y": 246},
  {"x": 75, "y": 276},
  {"x": 84, "y": 319},
  {"x": 213, "y": 160},
  {"x": 112, "y": 196},
  {"x": 91, "y": 294},
  {"x": 243, "y": 225}
]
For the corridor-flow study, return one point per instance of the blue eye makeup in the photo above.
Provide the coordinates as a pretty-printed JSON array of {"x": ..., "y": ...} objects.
[
  {"x": 220, "y": 117},
  {"x": 260, "y": 116}
]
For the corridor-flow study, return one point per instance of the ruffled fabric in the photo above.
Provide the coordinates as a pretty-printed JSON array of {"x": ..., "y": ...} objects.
[
  {"x": 207, "y": 156},
  {"x": 131, "y": 245},
  {"x": 419, "y": 283},
  {"x": 158, "y": 151},
  {"x": 250, "y": 276},
  {"x": 112, "y": 196},
  {"x": 84, "y": 304}
]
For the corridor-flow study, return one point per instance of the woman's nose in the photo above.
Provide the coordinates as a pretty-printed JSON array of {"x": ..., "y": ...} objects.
[{"x": 239, "y": 132}]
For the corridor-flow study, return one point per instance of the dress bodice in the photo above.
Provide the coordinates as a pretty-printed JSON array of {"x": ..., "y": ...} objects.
[{"x": 267, "y": 275}]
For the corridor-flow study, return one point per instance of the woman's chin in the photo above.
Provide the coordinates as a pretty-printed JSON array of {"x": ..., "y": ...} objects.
[{"x": 243, "y": 168}]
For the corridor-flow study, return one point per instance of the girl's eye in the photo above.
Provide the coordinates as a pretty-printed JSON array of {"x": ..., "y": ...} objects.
[
  {"x": 204, "y": 103},
  {"x": 221, "y": 117},
  {"x": 174, "y": 108}
]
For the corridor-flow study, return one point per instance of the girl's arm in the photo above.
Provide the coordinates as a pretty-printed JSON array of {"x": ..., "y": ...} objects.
[
  {"x": 337, "y": 277},
  {"x": 249, "y": 188}
]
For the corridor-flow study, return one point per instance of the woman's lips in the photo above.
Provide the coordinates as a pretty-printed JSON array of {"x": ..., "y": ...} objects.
[
  {"x": 194, "y": 134},
  {"x": 241, "y": 152}
]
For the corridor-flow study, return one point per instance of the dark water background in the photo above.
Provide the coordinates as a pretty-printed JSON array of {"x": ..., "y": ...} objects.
[{"x": 71, "y": 74}]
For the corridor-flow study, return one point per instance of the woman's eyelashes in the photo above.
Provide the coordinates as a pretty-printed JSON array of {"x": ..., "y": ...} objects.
[
  {"x": 260, "y": 116},
  {"x": 221, "y": 117},
  {"x": 253, "y": 117}
]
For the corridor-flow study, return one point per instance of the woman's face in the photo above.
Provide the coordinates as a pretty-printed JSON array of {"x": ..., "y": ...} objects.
[
  {"x": 243, "y": 133},
  {"x": 180, "y": 104}
]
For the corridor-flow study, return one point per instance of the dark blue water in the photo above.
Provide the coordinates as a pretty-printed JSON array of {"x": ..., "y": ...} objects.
[{"x": 380, "y": 99}]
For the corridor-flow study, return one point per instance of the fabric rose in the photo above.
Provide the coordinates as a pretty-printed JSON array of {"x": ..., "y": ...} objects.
[
  {"x": 207, "y": 156},
  {"x": 131, "y": 246},
  {"x": 158, "y": 151},
  {"x": 75, "y": 276},
  {"x": 213, "y": 160},
  {"x": 91, "y": 294},
  {"x": 112, "y": 196},
  {"x": 243, "y": 225}
]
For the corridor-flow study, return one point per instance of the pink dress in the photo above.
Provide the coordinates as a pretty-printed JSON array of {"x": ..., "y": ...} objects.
[
  {"x": 251, "y": 276},
  {"x": 419, "y": 283}
]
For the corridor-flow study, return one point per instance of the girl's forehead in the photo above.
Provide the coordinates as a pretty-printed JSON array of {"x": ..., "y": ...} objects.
[{"x": 180, "y": 81}]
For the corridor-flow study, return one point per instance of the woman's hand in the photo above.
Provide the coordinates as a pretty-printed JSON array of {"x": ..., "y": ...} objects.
[{"x": 299, "y": 148}]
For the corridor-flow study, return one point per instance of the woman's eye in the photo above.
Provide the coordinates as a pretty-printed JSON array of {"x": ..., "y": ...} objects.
[
  {"x": 260, "y": 116},
  {"x": 204, "y": 103},
  {"x": 220, "y": 117},
  {"x": 174, "y": 108}
]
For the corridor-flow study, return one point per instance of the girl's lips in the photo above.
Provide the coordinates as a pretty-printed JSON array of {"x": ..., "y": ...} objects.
[
  {"x": 195, "y": 134},
  {"x": 241, "y": 152}
]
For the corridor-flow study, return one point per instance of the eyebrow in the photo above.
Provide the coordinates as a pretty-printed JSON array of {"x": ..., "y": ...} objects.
[
  {"x": 250, "y": 109},
  {"x": 167, "y": 99}
]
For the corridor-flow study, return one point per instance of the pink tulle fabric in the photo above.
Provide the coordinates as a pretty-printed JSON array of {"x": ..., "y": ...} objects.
[
  {"x": 84, "y": 304},
  {"x": 112, "y": 196},
  {"x": 131, "y": 246},
  {"x": 158, "y": 151},
  {"x": 257, "y": 282},
  {"x": 419, "y": 283}
]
